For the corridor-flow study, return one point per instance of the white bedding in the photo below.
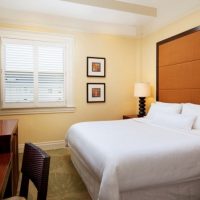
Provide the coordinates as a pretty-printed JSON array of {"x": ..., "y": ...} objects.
[{"x": 134, "y": 154}]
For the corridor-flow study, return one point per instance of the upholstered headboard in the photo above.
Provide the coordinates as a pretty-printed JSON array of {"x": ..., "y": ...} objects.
[{"x": 178, "y": 68}]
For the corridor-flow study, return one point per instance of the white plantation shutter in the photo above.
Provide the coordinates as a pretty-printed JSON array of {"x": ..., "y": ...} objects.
[
  {"x": 51, "y": 87},
  {"x": 33, "y": 73},
  {"x": 51, "y": 59},
  {"x": 51, "y": 74},
  {"x": 19, "y": 87},
  {"x": 18, "y": 57},
  {"x": 18, "y": 73}
]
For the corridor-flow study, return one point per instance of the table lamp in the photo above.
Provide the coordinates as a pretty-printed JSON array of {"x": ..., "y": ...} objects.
[{"x": 142, "y": 90}]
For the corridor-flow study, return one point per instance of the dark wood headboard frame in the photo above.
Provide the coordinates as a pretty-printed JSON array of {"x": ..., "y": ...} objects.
[{"x": 168, "y": 40}]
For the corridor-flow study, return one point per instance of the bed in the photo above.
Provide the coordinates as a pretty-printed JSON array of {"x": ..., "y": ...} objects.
[
  {"x": 126, "y": 157},
  {"x": 151, "y": 158}
]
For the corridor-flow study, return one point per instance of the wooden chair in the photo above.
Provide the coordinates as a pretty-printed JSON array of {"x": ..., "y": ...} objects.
[{"x": 35, "y": 166}]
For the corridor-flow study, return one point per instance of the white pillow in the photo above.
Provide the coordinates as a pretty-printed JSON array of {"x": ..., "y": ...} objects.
[
  {"x": 192, "y": 109},
  {"x": 159, "y": 107},
  {"x": 176, "y": 106},
  {"x": 177, "y": 121}
]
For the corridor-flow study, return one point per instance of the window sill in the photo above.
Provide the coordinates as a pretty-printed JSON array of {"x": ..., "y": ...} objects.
[{"x": 30, "y": 111}]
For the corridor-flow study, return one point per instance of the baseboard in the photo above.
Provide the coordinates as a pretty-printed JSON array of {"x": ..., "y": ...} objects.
[{"x": 59, "y": 144}]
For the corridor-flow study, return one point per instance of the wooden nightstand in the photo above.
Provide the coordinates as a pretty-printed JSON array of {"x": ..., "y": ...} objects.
[{"x": 129, "y": 116}]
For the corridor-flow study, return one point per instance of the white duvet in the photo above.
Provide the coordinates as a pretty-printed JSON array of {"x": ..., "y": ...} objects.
[{"x": 132, "y": 154}]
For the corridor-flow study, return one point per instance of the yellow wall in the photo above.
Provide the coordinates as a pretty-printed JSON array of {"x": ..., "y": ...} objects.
[
  {"x": 120, "y": 77},
  {"x": 148, "y": 63}
]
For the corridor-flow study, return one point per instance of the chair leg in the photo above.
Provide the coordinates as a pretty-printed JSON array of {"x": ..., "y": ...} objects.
[
  {"x": 24, "y": 187},
  {"x": 42, "y": 195}
]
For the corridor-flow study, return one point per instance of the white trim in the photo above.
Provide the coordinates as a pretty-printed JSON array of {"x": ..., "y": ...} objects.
[
  {"x": 43, "y": 36},
  {"x": 66, "y": 24},
  {"x": 59, "y": 144},
  {"x": 28, "y": 111},
  {"x": 120, "y": 6},
  {"x": 69, "y": 74}
]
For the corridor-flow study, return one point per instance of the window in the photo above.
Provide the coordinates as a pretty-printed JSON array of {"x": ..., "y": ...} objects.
[{"x": 36, "y": 73}]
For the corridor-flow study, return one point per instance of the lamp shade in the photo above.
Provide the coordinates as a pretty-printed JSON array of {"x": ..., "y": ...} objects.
[{"x": 142, "y": 90}]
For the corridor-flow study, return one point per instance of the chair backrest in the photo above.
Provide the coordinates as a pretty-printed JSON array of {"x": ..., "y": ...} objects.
[{"x": 35, "y": 167}]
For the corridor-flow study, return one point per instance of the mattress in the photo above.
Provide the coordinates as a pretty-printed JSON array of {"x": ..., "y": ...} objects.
[{"x": 131, "y": 155}]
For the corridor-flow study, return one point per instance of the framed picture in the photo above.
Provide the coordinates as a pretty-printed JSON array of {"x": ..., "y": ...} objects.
[
  {"x": 96, "y": 92},
  {"x": 96, "y": 67}
]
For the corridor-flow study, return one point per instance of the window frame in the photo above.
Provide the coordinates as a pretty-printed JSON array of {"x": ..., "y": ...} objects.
[{"x": 68, "y": 43}]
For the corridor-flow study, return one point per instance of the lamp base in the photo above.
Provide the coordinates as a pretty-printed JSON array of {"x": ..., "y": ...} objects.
[{"x": 142, "y": 112}]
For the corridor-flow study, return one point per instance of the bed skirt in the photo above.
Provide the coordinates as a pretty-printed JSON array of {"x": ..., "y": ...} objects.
[{"x": 182, "y": 191}]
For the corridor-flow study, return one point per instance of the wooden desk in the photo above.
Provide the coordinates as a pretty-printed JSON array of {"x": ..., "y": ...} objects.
[
  {"x": 5, "y": 171},
  {"x": 9, "y": 144}
]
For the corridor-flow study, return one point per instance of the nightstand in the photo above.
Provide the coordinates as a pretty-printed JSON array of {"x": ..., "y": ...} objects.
[{"x": 129, "y": 116}]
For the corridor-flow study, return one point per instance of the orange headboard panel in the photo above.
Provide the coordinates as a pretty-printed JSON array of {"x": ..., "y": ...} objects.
[{"x": 178, "y": 68}]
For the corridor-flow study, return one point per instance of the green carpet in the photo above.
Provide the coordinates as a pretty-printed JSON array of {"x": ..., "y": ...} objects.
[{"x": 64, "y": 181}]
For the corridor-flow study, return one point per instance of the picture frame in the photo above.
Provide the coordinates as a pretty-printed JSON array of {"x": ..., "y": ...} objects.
[
  {"x": 96, "y": 67},
  {"x": 96, "y": 92}
]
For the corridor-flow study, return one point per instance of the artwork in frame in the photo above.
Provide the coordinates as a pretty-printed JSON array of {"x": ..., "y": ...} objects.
[
  {"x": 96, "y": 92},
  {"x": 96, "y": 67}
]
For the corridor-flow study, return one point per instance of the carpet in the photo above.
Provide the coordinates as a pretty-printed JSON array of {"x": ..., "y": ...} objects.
[{"x": 64, "y": 181}]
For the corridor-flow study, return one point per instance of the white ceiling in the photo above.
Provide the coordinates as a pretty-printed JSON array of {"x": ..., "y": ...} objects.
[{"x": 85, "y": 16}]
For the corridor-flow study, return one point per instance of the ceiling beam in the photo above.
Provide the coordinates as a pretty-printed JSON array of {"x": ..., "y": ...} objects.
[{"x": 120, "y": 6}]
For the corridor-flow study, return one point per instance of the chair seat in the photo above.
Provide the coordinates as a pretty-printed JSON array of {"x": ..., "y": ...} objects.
[{"x": 15, "y": 198}]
